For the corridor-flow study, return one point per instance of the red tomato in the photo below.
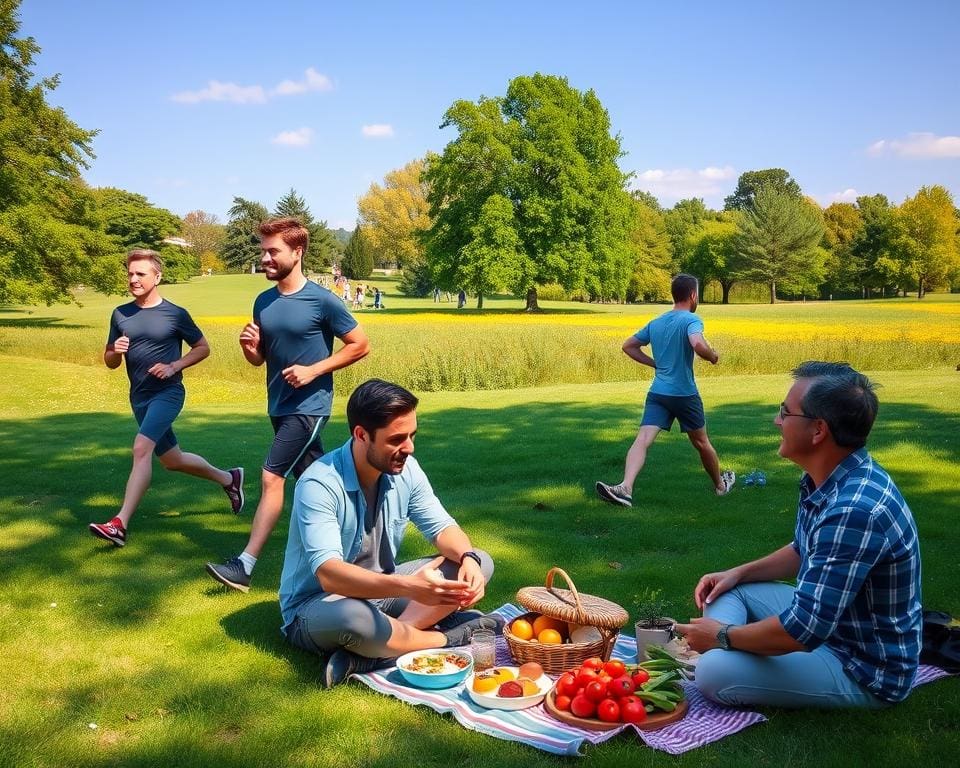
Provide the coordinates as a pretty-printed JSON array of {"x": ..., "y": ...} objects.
[
  {"x": 609, "y": 711},
  {"x": 567, "y": 685},
  {"x": 622, "y": 686},
  {"x": 575, "y": 671},
  {"x": 640, "y": 677},
  {"x": 595, "y": 663},
  {"x": 596, "y": 691},
  {"x": 586, "y": 677},
  {"x": 563, "y": 703},
  {"x": 615, "y": 668},
  {"x": 605, "y": 678},
  {"x": 632, "y": 710},
  {"x": 581, "y": 706}
]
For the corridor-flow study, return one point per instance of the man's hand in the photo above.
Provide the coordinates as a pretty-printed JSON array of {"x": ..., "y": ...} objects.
[
  {"x": 701, "y": 634},
  {"x": 121, "y": 345},
  {"x": 471, "y": 574},
  {"x": 298, "y": 375},
  {"x": 711, "y": 586},
  {"x": 250, "y": 338},
  {"x": 162, "y": 370},
  {"x": 426, "y": 587}
]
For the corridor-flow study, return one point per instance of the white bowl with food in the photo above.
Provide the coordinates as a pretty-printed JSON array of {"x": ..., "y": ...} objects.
[{"x": 508, "y": 688}]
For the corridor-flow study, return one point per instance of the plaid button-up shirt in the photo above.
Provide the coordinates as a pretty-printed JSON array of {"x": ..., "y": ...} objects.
[{"x": 858, "y": 587}]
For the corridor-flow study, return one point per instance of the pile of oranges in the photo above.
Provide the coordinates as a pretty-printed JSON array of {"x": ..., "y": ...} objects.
[{"x": 543, "y": 629}]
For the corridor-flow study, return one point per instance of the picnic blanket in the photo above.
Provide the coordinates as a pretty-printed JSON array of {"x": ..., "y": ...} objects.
[{"x": 705, "y": 721}]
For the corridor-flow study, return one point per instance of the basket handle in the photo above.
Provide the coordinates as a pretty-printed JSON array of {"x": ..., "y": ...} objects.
[{"x": 573, "y": 588}]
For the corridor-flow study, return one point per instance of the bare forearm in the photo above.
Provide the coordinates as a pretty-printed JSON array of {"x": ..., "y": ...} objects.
[
  {"x": 195, "y": 355},
  {"x": 764, "y": 638},
  {"x": 340, "y": 578},
  {"x": 633, "y": 349},
  {"x": 706, "y": 352},
  {"x": 453, "y": 542},
  {"x": 347, "y": 355},
  {"x": 112, "y": 359}
]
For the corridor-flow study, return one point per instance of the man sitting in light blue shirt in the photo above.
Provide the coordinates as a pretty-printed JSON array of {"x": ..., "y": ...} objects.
[{"x": 341, "y": 591}]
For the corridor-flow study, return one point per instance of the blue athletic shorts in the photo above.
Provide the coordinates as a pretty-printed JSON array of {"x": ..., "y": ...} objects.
[
  {"x": 156, "y": 416},
  {"x": 296, "y": 444},
  {"x": 661, "y": 410}
]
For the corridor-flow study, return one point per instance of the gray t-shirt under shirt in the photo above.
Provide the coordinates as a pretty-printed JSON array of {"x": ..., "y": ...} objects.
[{"x": 375, "y": 554}]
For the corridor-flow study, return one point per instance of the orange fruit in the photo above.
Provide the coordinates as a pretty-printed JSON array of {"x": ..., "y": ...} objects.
[
  {"x": 545, "y": 622},
  {"x": 550, "y": 637},
  {"x": 531, "y": 670},
  {"x": 530, "y": 688},
  {"x": 502, "y": 674},
  {"x": 522, "y": 629}
]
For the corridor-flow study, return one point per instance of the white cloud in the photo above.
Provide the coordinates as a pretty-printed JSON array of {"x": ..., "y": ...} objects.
[
  {"x": 848, "y": 195},
  {"x": 377, "y": 131},
  {"x": 217, "y": 91},
  {"x": 255, "y": 94},
  {"x": 918, "y": 145},
  {"x": 681, "y": 183},
  {"x": 301, "y": 137},
  {"x": 312, "y": 81}
]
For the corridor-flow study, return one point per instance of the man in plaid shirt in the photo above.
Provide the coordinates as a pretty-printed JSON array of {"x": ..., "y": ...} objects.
[{"x": 848, "y": 634}]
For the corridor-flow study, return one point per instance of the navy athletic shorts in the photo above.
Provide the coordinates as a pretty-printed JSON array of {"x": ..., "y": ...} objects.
[
  {"x": 661, "y": 410},
  {"x": 296, "y": 444},
  {"x": 156, "y": 416}
]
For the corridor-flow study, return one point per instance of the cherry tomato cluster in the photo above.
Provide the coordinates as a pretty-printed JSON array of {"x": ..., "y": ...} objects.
[{"x": 603, "y": 690}]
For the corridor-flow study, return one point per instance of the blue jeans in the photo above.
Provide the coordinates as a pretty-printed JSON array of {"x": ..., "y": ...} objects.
[{"x": 792, "y": 680}]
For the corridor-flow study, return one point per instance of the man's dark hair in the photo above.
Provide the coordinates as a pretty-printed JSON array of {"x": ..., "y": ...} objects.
[
  {"x": 842, "y": 397},
  {"x": 682, "y": 286},
  {"x": 376, "y": 403}
]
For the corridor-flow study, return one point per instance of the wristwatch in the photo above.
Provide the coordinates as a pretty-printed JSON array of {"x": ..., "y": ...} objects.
[
  {"x": 723, "y": 639},
  {"x": 473, "y": 556}
]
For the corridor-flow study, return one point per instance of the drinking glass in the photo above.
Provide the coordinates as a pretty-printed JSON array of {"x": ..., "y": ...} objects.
[{"x": 483, "y": 648}]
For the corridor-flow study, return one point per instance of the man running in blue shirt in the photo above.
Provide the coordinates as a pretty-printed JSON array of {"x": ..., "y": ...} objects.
[
  {"x": 293, "y": 328},
  {"x": 149, "y": 333},
  {"x": 675, "y": 337}
]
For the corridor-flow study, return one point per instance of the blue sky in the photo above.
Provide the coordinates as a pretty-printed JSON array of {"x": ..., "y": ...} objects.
[{"x": 197, "y": 102}]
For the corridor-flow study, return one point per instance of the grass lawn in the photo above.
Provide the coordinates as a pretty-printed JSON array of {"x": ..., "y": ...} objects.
[{"x": 173, "y": 670}]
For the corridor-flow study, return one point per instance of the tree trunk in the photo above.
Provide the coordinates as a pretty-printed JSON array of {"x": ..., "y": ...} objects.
[
  {"x": 726, "y": 285},
  {"x": 773, "y": 292},
  {"x": 532, "y": 305},
  {"x": 920, "y": 291},
  {"x": 479, "y": 301}
]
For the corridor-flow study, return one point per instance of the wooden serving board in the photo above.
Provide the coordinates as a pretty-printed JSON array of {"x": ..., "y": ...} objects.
[{"x": 652, "y": 723}]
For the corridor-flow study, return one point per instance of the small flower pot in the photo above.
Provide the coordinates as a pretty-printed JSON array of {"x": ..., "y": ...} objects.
[{"x": 652, "y": 635}]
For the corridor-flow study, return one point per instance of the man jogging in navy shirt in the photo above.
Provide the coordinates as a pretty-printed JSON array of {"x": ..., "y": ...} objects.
[
  {"x": 675, "y": 337},
  {"x": 149, "y": 333},
  {"x": 293, "y": 328}
]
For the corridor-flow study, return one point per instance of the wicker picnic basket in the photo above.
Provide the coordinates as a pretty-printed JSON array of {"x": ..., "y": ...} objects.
[{"x": 570, "y": 606}]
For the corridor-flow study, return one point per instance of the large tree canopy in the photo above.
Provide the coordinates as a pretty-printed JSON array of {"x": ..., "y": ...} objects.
[
  {"x": 241, "y": 243},
  {"x": 395, "y": 216},
  {"x": 546, "y": 149},
  {"x": 751, "y": 182},
  {"x": 49, "y": 239}
]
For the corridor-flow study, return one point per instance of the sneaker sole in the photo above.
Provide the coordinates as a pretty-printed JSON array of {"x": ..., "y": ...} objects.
[
  {"x": 225, "y": 581},
  {"x": 608, "y": 497},
  {"x": 101, "y": 535}
]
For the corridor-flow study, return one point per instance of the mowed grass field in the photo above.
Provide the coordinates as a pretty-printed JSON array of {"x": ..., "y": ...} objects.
[{"x": 173, "y": 670}]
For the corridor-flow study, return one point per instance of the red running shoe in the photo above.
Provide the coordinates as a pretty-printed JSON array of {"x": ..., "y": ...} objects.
[{"x": 114, "y": 532}]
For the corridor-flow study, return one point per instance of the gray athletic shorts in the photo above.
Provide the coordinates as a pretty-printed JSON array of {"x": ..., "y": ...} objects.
[
  {"x": 296, "y": 444},
  {"x": 661, "y": 410}
]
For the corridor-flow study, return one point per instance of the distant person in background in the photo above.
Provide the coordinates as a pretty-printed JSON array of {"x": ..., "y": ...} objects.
[
  {"x": 436, "y": 295},
  {"x": 148, "y": 333},
  {"x": 675, "y": 337},
  {"x": 376, "y": 298},
  {"x": 461, "y": 299},
  {"x": 293, "y": 328},
  {"x": 346, "y": 290}
]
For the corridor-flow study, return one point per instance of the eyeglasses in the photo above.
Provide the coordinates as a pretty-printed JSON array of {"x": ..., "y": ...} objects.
[{"x": 784, "y": 413}]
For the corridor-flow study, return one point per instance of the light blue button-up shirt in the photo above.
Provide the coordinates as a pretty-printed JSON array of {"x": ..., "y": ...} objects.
[{"x": 327, "y": 520}]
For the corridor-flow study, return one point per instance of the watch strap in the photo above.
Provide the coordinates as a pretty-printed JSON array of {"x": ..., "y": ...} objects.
[{"x": 473, "y": 556}]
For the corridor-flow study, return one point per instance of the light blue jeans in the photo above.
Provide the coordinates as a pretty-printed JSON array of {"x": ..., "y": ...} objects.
[{"x": 792, "y": 680}]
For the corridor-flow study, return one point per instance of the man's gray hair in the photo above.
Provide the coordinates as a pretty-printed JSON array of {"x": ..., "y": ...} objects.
[{"x": 844, "y": 398}]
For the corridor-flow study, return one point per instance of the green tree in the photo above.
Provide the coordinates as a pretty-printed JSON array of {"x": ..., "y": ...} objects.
[
  {"x": 711, "y": 249},
  {"x": 684, "y": 218},
  {"x": 241, "y": 244},
  {"x": 357, "y": 260},
  {"x": 875, "y": 244},
  {"x": 324, "y": 248},
  {"x": 49, "y": 238},
  {"x": 547, "y": 149},
  {"x": 751, "y": 182},
  {"x": 206, "y": 235},
  {"x": 778, "y": 242},
  {"x": 652, "y": 251},
  {"x": 928, "y": 239},
  {"x": 843, "y": 269},
  {"x": 395, "y": 216}
]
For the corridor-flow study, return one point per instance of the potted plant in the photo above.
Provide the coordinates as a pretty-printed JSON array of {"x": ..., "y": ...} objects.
[{"x": 652, "y": 627}]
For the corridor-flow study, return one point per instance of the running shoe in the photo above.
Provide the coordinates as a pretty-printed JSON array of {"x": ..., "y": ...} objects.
[
  {"x": 343, "y": 663},
  {"x": 234, "y": 491},
  {"x": 114, "y": 532},
  {"x": 230, "y": 574},
  {"x": 614, "y": 494},
  {"x": 728, "y": 478}
]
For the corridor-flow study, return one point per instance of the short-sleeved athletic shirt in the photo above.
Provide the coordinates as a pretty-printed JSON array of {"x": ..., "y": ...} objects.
[
  {"x": 156, "y": 336},
  {"x": 668, "y": 335},
  {"x": 298, "y": 329}
]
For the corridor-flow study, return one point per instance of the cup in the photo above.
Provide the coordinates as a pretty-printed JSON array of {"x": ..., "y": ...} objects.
[{"x": 483, "y": 648}]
